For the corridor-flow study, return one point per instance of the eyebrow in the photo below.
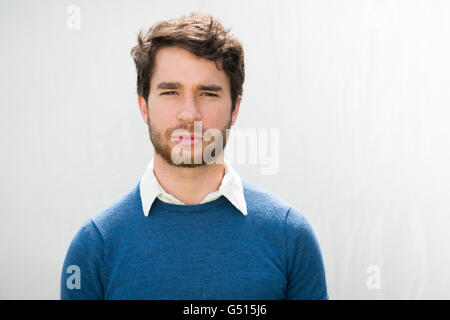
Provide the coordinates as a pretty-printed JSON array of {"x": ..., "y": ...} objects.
[
  {"x": 169, "y": 85},
  {"x": 177, "y": 85},
  {"x": 210, "y": 87}
]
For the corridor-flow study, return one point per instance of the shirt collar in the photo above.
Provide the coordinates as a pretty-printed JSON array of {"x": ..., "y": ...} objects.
[{"x": 231, "y": 188}]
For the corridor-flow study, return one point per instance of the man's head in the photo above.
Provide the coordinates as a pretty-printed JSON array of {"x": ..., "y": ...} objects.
[{"x": 188, "y": 69}]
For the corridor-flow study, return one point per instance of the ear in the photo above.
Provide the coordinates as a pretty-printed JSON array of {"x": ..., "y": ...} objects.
[
  {"x": 143, "y": 108},
  {"x": 236, "y": 110}
]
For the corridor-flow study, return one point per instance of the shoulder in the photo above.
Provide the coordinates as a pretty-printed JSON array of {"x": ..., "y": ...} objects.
[
  {"x": 119, "y": 214},
  {"x": 270, "y": 213},
  {"x": 264, "y": 204},
  {"x": 259, "y": 198}
]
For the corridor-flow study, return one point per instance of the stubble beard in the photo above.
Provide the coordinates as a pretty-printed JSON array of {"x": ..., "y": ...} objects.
[{"x": 163, "y": 149}]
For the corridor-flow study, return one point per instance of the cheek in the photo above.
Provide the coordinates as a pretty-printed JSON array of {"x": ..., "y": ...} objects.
[
  {"x": 159, "y": 112},
  {"x": 217, "y": 116},
  {"x": 162, "y": 121}
]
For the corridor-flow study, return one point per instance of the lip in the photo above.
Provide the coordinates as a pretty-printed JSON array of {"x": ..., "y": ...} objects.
[{"x": 187, "y": 139}]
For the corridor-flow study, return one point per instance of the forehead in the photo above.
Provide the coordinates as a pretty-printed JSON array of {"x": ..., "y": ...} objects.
[{"x": 174, "y": 64}]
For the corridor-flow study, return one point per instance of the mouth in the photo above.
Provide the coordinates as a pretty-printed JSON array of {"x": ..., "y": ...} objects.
[{"x": 186, "y": 139}]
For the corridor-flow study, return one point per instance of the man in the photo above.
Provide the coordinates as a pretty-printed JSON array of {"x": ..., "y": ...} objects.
[{"x": 192, "y": 228}]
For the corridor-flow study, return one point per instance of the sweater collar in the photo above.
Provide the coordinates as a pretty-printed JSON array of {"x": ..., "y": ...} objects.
[{"x": 231, "y": 188}]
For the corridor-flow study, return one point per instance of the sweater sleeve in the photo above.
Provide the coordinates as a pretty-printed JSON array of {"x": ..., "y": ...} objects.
[
  {"x": 305, "y": 269},
  {"x": 81, "y": 274}
]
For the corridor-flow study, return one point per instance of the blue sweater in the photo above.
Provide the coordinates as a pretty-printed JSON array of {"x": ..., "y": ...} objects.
[{"x": 203, "y": 251}]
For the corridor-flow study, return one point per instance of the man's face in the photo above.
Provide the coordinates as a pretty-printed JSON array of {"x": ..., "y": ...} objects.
[{"x": 185, "y": 88}]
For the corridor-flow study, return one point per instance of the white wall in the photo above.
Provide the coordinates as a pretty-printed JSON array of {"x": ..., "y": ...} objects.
[{"x": 358, "y": 90}]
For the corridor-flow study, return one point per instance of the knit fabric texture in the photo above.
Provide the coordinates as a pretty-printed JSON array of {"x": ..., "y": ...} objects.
[{"x": 203, "y": 251}]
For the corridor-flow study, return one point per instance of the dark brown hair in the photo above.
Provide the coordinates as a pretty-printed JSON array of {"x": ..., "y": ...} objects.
[{"x": 200, "y": 34}]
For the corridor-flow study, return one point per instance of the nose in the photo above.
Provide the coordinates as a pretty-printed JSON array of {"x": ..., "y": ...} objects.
[{"x": 189, "y": 111}]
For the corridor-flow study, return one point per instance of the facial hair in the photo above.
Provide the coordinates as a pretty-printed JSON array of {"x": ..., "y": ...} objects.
[{"x": 162, "y": 147}]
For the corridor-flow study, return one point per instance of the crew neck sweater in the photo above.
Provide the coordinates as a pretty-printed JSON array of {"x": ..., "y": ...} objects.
[{"x": 207, "y": 251}]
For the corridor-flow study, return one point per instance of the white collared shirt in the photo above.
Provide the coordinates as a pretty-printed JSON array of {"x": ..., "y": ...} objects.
[{"x": 231, "y": 188}]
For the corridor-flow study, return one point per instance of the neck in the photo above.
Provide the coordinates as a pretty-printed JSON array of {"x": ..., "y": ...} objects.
[{"x": 189, "y": 185}]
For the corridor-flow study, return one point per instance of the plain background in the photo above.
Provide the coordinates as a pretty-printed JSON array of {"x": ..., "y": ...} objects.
[{"x": 357, "y": 89}]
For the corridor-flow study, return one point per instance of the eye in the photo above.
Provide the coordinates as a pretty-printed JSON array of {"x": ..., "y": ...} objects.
[
  {"x": 169, "y": 93},
  {"x": 209, "y": 94}
]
